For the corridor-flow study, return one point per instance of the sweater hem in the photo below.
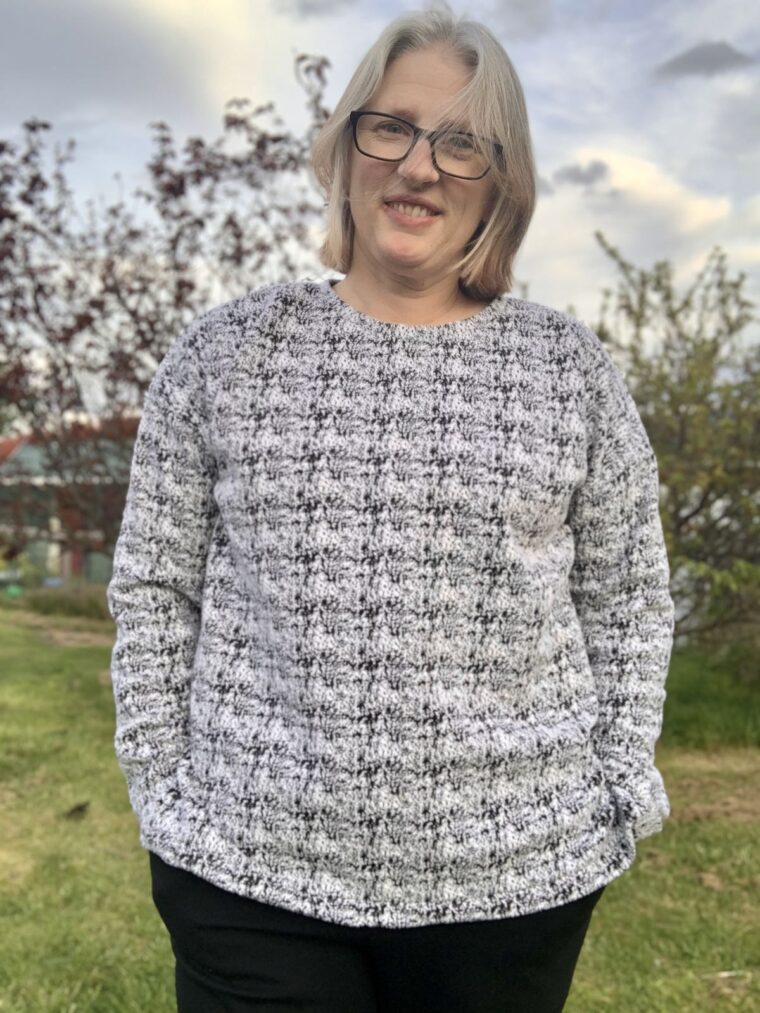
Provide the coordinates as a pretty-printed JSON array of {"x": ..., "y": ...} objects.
[{"x": 577, "y": 879}]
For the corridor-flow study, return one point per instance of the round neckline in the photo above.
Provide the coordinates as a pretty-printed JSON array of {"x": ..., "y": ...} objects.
[{"x": 451, "y": 327}]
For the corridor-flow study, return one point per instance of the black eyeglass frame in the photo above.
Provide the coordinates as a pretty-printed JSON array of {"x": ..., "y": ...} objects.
[{"x": 418, "y": 132}]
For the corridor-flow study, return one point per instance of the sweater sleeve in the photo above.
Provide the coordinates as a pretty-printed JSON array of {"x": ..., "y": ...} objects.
[
  {"x": 619, "y": 583},
  {"x": 154, "y": 594}
]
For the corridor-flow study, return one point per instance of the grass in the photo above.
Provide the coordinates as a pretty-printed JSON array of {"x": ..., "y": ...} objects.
[{"x": 676, "y": 932}]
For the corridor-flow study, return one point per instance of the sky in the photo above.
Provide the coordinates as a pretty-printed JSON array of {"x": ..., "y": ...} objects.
[{"x": 645, "y": 118}]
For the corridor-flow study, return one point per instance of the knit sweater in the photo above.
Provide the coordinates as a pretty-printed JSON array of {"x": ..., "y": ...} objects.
[{"x": 393, "y": 611}]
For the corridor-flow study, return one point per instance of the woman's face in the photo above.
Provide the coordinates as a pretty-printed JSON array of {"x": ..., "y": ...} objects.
[{"x": 419, "y": 82}]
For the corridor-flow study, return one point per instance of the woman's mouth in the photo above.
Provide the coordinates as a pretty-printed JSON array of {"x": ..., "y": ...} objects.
[{"x": 410, "y": 214}]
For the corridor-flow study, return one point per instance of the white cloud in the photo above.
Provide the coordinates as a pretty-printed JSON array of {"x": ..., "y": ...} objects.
[
  {"x": 242, "y": 47},
  {"x": 750, "y": 212},
  {"x": 643, "y": 186},
  {"x": 748, "y": 253},
  {"x": 730, "y": 20}
]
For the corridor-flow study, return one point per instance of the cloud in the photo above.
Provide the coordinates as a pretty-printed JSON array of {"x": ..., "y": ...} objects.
[
  {"x": 748, "y": 253},
  {"x": 518, "y": 19},
  {"x": 736, "y": 122},
  {"x": 648, "y": 189},
  {"x": 580, "y": 175},
  {"x": 102, "y": 59},
  {"x": 310, "y": 8},
  {"x": 706, "y": 60},
  {"x": 750, "y": 212}
]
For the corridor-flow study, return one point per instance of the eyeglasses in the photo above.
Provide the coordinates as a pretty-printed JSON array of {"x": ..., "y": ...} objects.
[{"x": 390, "y": 139}]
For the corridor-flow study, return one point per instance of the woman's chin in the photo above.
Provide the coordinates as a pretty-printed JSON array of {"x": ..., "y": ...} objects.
[{"x": 408, "y": 252}]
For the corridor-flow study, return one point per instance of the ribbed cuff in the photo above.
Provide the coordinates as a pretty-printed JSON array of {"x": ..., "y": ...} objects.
[{"x": 643, "y": 803}]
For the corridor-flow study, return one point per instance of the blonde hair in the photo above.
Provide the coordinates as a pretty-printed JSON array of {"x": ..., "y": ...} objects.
[{"x": 492, "y": 103}]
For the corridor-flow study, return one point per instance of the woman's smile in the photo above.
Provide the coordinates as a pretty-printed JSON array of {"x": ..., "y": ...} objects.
[{"x": 418, "y": 218}]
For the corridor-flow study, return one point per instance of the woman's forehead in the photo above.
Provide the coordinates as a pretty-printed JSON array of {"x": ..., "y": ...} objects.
[{"x": 428, "y": 76}]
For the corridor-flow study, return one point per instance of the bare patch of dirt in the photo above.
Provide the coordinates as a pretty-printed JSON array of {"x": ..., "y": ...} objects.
[
  {"x": 25, "y": 618},
  {"x": 67, "y": 631},
  {"x": 728, "y": 984},
  {"x": 720, "y": 785},
  {"x": 711, "y": 880},
  {"x": 77, "y": 638},
  {"x": 732, "y": 808},
  {"x": 15, "y": 865}
]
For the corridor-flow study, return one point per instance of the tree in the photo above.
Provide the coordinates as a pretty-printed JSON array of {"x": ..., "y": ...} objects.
[
  {"x": 89, "y": 303},
  {"x": 698, "y": 391}
]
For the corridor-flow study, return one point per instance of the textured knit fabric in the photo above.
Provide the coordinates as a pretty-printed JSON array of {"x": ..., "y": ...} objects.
[{"x": 393, "y": 611}]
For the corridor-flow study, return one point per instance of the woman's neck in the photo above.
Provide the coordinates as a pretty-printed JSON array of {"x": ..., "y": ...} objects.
[{"x": 405, "y": 305}]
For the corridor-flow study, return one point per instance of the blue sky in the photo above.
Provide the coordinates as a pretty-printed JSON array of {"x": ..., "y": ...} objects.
[{"x": 645, "y": 117}]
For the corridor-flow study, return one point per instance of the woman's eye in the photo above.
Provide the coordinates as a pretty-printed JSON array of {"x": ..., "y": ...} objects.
[
  {"x": 389, "y": 128},
  {"x": 461, "y": 142}
]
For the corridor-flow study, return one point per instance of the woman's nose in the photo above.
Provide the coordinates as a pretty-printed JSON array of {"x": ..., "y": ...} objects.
[{"x": 419, "y": 162}]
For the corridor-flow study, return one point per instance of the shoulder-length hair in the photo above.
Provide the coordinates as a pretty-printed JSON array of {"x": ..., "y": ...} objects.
[{"x": 492, "y": 103}]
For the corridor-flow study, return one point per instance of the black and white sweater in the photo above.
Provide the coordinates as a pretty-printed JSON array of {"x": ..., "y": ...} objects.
[{"x": 393, "y": 611}]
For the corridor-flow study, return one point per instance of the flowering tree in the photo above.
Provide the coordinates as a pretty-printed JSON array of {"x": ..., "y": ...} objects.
[
  {"x": 89, "y": 302},
  {"x": 697, "y": 388}
]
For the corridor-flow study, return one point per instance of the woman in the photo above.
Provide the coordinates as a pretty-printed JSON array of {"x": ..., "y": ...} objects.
[{"x": 391, "y": 588}]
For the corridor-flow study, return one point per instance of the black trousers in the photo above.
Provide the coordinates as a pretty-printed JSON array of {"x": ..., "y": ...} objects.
[{"x": 237, "y": 954}]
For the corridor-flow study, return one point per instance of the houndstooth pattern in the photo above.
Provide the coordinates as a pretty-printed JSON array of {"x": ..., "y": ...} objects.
[{"x": 393, "y": 611}]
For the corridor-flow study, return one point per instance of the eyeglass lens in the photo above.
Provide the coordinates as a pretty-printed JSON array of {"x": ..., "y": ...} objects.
[{"x": 385, "y": 137}]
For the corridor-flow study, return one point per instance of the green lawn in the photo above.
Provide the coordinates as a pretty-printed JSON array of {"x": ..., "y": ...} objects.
[{"x": 678, "y": 931}]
